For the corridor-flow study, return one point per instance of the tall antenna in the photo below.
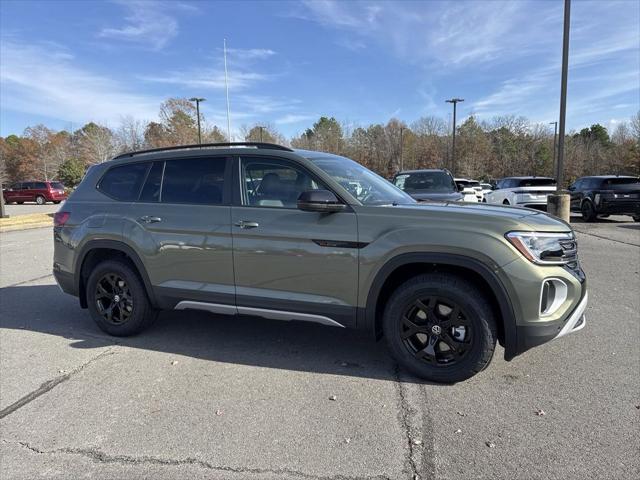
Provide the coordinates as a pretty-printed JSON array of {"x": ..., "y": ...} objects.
[{"x": 226, "y": 83}]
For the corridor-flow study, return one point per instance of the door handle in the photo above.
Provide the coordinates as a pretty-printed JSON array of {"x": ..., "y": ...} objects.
[
  {"x": 150, "y": 219},
  {"x": 246, "y": 224}
]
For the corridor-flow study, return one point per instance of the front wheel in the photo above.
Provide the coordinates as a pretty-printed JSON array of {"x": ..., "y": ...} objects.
[
  {"x": 440, "y": 327},
  {"x": 117, "y": 299}
]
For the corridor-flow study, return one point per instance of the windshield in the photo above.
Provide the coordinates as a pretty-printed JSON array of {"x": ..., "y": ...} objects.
[
  {"x": 362, "y": 183},
  {"x": 425, "y": 182},
  {"x": 57, "y": 185}
]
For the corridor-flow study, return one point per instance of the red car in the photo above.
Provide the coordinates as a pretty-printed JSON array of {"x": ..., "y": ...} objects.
[{"x": 39, "y": 192}]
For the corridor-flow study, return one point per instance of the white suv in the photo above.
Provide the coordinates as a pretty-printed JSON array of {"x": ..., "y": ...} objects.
[
  {"x": 522, "y": 191},
  {"x": 471, "y": 189}
]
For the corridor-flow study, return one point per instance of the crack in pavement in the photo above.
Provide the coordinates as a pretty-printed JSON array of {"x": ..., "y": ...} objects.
[
  {"x": 102, "y": 457},
  {"x": 28, "y": 281},
  {"x": 50, "y": 385},
  {"x": 607, "y": 238},
  {"x": 404, "y": 413}
]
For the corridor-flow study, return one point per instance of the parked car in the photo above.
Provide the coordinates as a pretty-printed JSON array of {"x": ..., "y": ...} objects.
[
  {"x": 486, "y": 188},
  {"x": 32, "y": 191},
  {"x": 471, "y": 189},
  {"x": 442, "y": 282},
  {"x": 528, "y": 192},
  {"x": 606, "y": 195},
  {"x": 428, "y": 184}
]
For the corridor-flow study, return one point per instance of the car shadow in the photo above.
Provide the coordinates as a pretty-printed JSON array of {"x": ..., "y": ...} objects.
[{"x": 251, "y": 341}]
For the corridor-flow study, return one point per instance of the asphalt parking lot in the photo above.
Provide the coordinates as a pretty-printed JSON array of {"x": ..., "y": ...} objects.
[{"x": 200, "y": 396}]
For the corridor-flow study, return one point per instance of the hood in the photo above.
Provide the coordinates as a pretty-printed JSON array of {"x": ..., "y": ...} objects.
[
  {"x": 512, "y": 218},
  {"x": 438, "y": 196}
]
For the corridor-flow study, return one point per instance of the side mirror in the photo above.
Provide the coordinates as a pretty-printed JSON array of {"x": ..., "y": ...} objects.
[{"x": 322, "y": 201}]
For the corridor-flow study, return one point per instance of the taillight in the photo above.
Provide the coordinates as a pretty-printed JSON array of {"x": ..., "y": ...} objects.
[{"x": 60, "y": 218}]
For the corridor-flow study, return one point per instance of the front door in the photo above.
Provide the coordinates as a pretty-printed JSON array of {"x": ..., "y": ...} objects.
[{"x": 290, "y": 264}]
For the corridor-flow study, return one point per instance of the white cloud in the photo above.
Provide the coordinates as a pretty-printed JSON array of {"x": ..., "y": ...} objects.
[
  {"x": 148, "y": 23},
  {"x": 294, "y": 118},
  {"x": 38, "y": 80}
]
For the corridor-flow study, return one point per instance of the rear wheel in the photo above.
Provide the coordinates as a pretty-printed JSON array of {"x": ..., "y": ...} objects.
[
  {"x": 117, "y": 299},
  {"x": 506, "y": 202},
  {"x": 636, "y": 218},
  {"x": 56, "y": 202},
  {"x": 588, "y": 212},
  {"x": 19, "y": 203},
  {"x": 440, "y": 327},
  {"x": 40, "y": 200}
]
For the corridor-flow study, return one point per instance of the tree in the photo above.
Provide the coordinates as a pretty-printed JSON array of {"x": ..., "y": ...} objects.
[
  {"x": 96, "y": 143},
  {"x": 179, "y": 120},
  {"x": 263, "y": 133},
  {"x": 71, "y": 171},
  {"x": 596, "y": 133}
]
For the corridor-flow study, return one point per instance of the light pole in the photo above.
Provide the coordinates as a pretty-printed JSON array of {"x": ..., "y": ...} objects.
[
  {"x": 453, "y": 146},
  {"x": 555, "y": 139},
  {"x": 563, "y": 93},
  {"x": 198, "y": 100},
  {"x": 558, "y": 204},
  {"x": 401, "y": 145}
]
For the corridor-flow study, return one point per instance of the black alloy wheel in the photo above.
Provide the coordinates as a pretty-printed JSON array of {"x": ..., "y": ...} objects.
[
  {"x": 113, "y": 299},
  {"x": 436, "y": 330}
]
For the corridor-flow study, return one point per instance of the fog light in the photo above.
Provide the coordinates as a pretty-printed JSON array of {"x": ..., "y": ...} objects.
[{"x": 552, "y": 296}]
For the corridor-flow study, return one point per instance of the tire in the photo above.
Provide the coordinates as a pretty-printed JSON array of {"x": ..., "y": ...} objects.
[
  {"x": 40, "y": 200},
  {"x": 124, "y": 321},
  {"x": 636, "y": 218},
  {"x": 506, "y": 202},
  {"x": 588, "y": 212},
  {"x": 19, "y": 203},
  {"x": 56, "y": 202},
  {"x": 473, "y": 348},
  {"x": 484, "y": 200}
]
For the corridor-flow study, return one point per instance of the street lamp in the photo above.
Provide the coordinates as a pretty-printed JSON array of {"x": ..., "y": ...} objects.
[
  {"x": 453, "y": 147},
  {"x": 555, "y": 136},
  {"x": 401, "y": 152},
  {"x": 198, "y": 100}
]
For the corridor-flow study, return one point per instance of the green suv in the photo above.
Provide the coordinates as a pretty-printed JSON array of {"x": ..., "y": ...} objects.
[{"x": 263, "y": 230}]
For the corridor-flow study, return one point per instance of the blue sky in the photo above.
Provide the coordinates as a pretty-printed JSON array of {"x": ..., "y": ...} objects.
[{"x": 63, "y": 63}]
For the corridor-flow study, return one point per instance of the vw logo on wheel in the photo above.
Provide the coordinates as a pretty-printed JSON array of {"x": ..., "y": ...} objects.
[{"x": 436, "y": 330}]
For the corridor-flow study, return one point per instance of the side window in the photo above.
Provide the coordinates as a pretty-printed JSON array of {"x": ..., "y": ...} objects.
[
  {"x": 124, "y": 182},
  {"x": 151, "y": 190},
  {"x": 274, "y": 183},
  {"x": 40, "y": 185},
  {"x": 27, "y": 185},
  {"x": 595, "y": 183},
  {"x": 197, "y": 181}
]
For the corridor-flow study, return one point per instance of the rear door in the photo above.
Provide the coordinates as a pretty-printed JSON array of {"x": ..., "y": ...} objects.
[
  {"x": 181, "y": 225},
  {"x": 290, "y": 264},
  {"x": 27, "y": 193}
]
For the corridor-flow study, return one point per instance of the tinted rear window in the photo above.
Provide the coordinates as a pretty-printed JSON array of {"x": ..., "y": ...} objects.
[
  {"x": 196, "y": 181},
  {"x": 124, "y": 182},
  {"x": 151, "y": 190},
  {"x": 621, "y": 183},
  {"x": 536, "y": 182},
  {"x": 425, "y": 181}
]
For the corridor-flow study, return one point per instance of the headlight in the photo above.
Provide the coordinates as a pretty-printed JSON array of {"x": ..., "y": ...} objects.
[{"x": 545, "y": 248}]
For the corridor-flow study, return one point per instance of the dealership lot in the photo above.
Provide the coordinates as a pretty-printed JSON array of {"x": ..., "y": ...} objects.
[{"x": 201, "y": 396}]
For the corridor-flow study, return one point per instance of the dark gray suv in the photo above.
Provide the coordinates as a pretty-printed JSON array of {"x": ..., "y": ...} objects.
[{"x": 263, "y": 230}]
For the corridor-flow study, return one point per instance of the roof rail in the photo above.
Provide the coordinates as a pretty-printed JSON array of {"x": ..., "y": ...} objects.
[{"x": 268, "y": 146}]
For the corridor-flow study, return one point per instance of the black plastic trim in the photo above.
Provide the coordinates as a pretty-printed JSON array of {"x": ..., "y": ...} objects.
[
  {"x": 368, "y": 317},
  {"x": 340, "y": 244},
  {"x": 199, "y": 146},
  {"x": 113, "y": 245}
]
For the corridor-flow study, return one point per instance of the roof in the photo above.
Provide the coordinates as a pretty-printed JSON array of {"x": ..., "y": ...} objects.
[
  {"x": 205, "y": 146},
  {"x": 603, "y": 177},
  {"x": 421, "y": 170},
  {"x": 528, "y": 177}
]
